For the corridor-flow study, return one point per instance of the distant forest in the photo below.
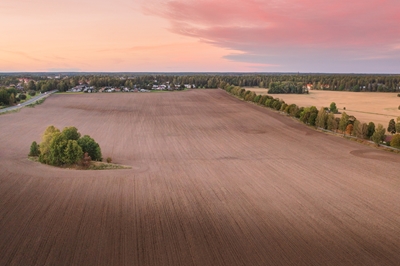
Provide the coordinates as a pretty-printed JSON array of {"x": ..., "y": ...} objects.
[{"x": 282, "y": 82}]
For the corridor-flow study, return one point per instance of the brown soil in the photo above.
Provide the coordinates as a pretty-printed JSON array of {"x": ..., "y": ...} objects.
[{"x": 214, "y": 181}]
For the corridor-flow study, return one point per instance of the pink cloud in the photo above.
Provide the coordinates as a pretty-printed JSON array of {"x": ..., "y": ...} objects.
[{"x": 280, "y": 27}]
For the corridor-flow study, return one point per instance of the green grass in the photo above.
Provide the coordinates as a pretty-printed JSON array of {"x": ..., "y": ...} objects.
[{"x": 40, "y": 101}]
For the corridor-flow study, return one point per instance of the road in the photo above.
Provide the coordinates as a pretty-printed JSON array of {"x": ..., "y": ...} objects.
[{"x": 28, "y": 102}]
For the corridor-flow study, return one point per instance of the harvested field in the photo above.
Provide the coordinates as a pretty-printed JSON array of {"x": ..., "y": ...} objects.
[
  {"x": 377, "y": 107},
  {"x": 214, "y": 181}
]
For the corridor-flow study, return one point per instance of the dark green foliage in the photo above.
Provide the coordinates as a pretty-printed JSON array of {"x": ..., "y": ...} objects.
[
  {"x": 370, "y": 130},
  {"x": 4, "y": 97},
  {"x": 32, "y": 93},
  {"x": 312, "y": 118},
  {"x": 333, "y": 108},
  {"x": 34, "y": 151},
  {"x": 91, "y": 147},
  {"x": 71, "y": 133},
  {"x": 392, "y": 126},
  {"x": 22, "y": 96}
]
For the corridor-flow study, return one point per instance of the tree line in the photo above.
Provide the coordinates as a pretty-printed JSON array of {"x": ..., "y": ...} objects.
[
  {"x": 324, "y": 118},
  {"x": 335, "y": 82}
]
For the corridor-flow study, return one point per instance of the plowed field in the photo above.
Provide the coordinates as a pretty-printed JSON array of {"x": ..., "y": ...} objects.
[{"x": 214, "y": 181}]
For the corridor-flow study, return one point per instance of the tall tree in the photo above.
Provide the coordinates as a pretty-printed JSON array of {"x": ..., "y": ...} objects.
[
  {"x": 391, "y": 127},
  {"x": 321, "y": 118},
  {"x": 344, "y": 120},
  {"x": 371, "y": 129},
  {"x": 379, "y": 134}
]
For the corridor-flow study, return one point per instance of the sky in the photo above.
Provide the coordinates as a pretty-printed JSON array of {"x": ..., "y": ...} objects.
[{"x": 323, "y": 36}]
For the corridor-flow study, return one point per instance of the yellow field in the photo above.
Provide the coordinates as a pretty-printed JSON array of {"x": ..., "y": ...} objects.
[{"x": 378, "y": 107}]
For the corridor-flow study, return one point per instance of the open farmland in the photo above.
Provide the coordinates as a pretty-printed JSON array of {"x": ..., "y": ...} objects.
[
  {"x": 214, "y": 181},
  {"x": 377, "y": 107}
]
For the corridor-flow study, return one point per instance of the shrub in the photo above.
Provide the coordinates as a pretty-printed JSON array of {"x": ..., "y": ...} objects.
[
  {"x": 109, "y": 160},
  {"x": 34, "y": 151},
  {"x": 22, "y": 96},
  {"x": 32, "y": 93}
]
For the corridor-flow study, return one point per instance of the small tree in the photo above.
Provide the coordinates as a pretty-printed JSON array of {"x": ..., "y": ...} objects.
[
  {"x": 34, "y": 151},
  {"x": 109, "y": 160},
  {"x": 333, "y": 108},
  {"x": 349, "y": 129},
  {"x": 71, "y": 133},
  {"x": 331, "y": 122},
  {"x": 344, "y": 120},
  {"x": 370, "y": 130},
  {"x": 395, "y": 142},
  {"x": 379, "y": 135},
  {"x": 392, "y": 127},
  {"x": 397, "y": 126},
  {"x": 321, "y": 118}
]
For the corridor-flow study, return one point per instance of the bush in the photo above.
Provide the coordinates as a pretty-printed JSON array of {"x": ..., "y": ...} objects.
[
  {"x": 34, "y": 151},
  {"x": 22, "y": 96},
  {"x": 395, "y": 142},
  {"x": 109, "y": 160},
  {"x": 32, "y": 93}
]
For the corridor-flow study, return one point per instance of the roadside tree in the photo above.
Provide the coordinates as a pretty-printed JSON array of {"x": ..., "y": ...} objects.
[
  {"x": 379, "y": 134},
  {"x": 344, "y": 120},
  {"x": 395, "y": 142},
  {"x": 392, "y": 127}
]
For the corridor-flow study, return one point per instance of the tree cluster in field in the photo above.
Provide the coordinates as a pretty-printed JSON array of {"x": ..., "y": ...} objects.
[
  {"x": 65, "y": 147},
  {"x": 323, "y": 118}
]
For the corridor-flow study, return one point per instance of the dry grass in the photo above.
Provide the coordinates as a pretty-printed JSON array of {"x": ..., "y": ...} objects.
[
  {"x": 377, "y": 107},
  {"x": 214, "y": 181}
]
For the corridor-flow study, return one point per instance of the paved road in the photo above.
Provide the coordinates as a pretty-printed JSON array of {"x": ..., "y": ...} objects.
[{"x": 30, "y": 101}]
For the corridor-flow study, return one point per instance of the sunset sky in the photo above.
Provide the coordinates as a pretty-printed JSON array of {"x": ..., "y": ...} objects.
[{"x": 358, "y": 36}]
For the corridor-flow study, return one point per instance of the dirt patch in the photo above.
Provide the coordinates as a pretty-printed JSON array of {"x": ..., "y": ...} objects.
[{"x": 214, "y": 181}]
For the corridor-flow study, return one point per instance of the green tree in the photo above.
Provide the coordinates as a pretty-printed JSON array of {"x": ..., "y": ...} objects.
[
  {"x": 4, "y": 98},
  {"x": 71, "y": 133},
  {"x": 331, "y": 122},
  {"x": 34, "y": 151},
  {"x": 379, "y": 134},
  {"x": 397, "y": 126},
  {"x": 392, "y": 127},
  {"x": 333, "y": 108},
  {"x": 395, "y": 142},
  {"x": 31, "y": 86},
  {"x": 322, "y": 118},
  {"x": 91, "y": 147},
  {"x": 44, "y": 146},
  {"x": 344, "y": 120},
  {"x": 73, "y": 152},
  {"x": 57, "y": 149},
  {"x": 371, "y": 130}
]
